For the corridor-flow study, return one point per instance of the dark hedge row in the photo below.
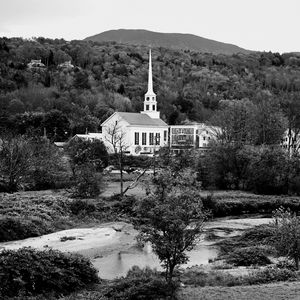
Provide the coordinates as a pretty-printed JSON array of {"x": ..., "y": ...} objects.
[{"x": 31, "y": 272}]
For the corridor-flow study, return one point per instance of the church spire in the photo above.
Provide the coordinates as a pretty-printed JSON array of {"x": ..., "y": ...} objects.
[
  {"x": 150, "y": 104},
  {"x": 150, "y": 83}
]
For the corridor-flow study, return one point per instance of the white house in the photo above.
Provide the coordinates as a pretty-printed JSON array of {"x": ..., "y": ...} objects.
[
  {"x": 137, "y": 133},
  {"x": 291, "y": 141},
  {"x": 190, "y": 136},
  {"x": 91, "y": 136},
  {"x": 35, "y": 63},
  {"x": 66, "y": 65}
]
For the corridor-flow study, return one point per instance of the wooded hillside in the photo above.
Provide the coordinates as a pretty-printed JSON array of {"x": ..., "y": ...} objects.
[{"x": 190, "y": 86}]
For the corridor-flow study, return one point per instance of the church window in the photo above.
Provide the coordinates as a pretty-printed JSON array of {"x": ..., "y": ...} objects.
[
  {"x": 165, "y": 135},
  {"x": 147, "y": 98},
  {"x": 147, "y": 107},
  {"x": 157, "y": 139},
  {"x": 153, "y": 107},
  {"x": 144, "y": 138},
  {"x": 136, "y": 138},
  {"x": 152, "y": 98},
  {"x": 151, "y": 138}
]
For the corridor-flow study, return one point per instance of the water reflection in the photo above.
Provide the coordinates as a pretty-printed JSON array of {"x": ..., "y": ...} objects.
[{"x": 118, "y": 264}]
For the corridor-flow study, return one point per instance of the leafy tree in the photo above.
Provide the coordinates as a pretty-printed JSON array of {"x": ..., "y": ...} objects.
[
  {"x": 287, "y": 235},
  {"x": 87, "y": 182},
  {"x": 57, "y": 125},
  {"x": 271, "y": 123},
  {"x": 27, "y": 123},
  {"x": 81, "y": 80},
  {"x": 237, "y": 122},
  {"x": 268, "y": 171},
  {"x": 171, "y": 217},
  {"x": 16, "y": 106},
  {"x": 46, "y": 166},
  {"x": 84, "y": 152}
]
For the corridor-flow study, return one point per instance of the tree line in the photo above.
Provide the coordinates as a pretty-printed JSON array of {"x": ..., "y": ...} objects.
[{"x": 109, "y": 77}]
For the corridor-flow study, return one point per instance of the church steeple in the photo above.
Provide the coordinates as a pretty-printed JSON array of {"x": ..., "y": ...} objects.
[
  {"x": 150, "y": 83},
  {"x": 150, "y": 104}
]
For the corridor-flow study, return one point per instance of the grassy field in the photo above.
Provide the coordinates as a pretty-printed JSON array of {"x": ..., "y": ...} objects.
[{"x": 274, "y": 291}]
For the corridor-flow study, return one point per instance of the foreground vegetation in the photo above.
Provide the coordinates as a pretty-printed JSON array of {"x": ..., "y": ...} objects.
[
  {"x": 31, "y": 272},
  {"x": 274, "y": 291}
]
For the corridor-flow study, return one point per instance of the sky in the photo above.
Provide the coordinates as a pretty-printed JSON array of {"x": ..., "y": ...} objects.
[{"x": 262, "y": 25}]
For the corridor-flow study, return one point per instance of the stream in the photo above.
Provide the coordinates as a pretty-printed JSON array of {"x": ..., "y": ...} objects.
[{"x": 113, "y": 250}]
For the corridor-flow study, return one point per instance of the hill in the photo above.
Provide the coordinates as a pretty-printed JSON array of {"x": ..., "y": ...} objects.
[
  {"x": 176, "y": 41},
  {"x": 108, "y": 77}
]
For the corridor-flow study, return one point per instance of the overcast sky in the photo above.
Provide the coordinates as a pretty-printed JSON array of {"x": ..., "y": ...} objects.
[{"x": 270, "y": 25}]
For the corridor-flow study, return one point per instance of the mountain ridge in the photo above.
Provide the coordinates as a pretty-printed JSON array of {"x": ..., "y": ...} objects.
[{"x": 176, "y": 41}]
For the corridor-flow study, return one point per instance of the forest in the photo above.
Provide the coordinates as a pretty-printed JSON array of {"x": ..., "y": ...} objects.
[
  {"x": 106, "y": 77},
  {"x": 254, "y": 98}
]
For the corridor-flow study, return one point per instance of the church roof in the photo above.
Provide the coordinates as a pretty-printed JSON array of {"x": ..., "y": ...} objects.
[{"x": 140, "y": 119}]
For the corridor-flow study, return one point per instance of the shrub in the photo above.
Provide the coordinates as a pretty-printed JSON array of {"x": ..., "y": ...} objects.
[
  {"x": 286, "y": 264},
  {"x": 16, "y": 229},
  {"x": 87, "y": 182},
  {"x": 248, "y": 257},
  {"x": 30, "y": 272},
  {"x": 220, "y": 278},
  {"x": 124, "y": 205},
  {"x": 43, "y": 179},
  {"x": 212, "y": 278},
  {"x": 139, "y": 284},
  {"x": 259, "y": 234},
  {"x": 209, "y": 203},
  {"x": 83, "y": 207},
  {"x": 270, "y": 274}
]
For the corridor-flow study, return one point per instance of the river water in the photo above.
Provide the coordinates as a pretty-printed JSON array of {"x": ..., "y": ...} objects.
[
  {"x": 118, "y": 264},
  {"x": 113, "y": 250}
]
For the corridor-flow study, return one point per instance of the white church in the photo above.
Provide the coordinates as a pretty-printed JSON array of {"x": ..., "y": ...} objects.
[
  {"x": 137, "y": 133},
  {"x": 144, "y": 133}
]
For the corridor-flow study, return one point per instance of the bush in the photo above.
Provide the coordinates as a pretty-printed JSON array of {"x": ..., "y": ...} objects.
[
  {"x": 217, "y": 278},
  {"x": 31, "y": 272},
  {"x": 248, "y": 257},
  {"x": 124, "y": 205},
  {"x": 87, "y": 182},
  {"x": 84, "y": 207},
  {"x": 286, "y": 264},
  {"x": 270, "y": 274},
  {"x": 16, "y": 229},
  {"x": 209, "y": 203},
  {"x": 139, "y": 284},
  {"x": 212, "y": 278},
  {"x": 42, "y": 179},
  {"x": 261, "y": 234}
]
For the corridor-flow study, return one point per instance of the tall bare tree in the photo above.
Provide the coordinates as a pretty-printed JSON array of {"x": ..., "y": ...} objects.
[
  {"x": 15, "y": 157},
  {"x": 116, "y": 136}
]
